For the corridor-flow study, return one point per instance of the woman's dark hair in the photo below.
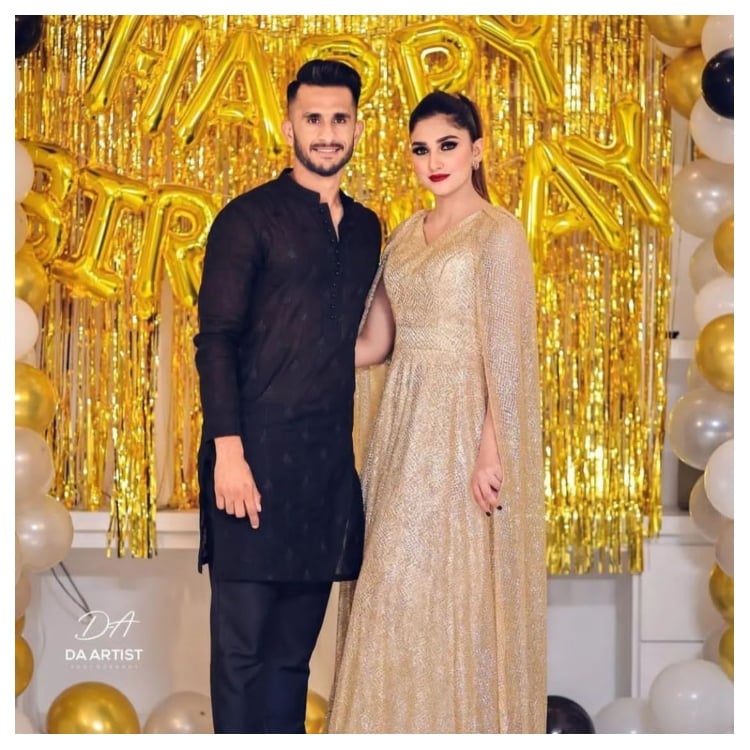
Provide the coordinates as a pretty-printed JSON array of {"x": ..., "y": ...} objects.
[
  {"x": 464, "y": 114},
  {"x": 325, "y": 73}
]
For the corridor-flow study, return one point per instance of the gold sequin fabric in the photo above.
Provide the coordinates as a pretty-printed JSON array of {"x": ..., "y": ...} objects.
[{"x": 447, "y": 627}]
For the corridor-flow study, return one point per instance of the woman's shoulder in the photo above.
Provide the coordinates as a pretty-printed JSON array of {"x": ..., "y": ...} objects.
[
  {"x": 502, "y": 217},
  {"x": 402, "y": 228}
]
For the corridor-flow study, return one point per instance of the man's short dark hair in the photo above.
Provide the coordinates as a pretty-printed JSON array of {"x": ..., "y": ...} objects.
[{"x": 325, "y": 73}]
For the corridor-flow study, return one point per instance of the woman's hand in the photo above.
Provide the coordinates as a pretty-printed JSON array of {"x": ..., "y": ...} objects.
[
  {"x": 375, "y": 341},
  {"x": 486, "y": 481},
  {"x": 487, "y": 477}
]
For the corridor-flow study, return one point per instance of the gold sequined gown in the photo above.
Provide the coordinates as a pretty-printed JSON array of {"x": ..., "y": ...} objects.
[{"x": 447, "y": 627}]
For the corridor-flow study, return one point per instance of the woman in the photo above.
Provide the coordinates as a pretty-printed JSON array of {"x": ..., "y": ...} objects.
[{"x": 447, "y": 631}]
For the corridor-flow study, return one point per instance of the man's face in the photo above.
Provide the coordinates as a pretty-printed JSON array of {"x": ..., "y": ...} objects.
[{"x": 323, "y": 128}]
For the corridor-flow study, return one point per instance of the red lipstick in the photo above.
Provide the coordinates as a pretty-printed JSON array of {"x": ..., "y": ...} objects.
[{"x": 438, "y": 177}]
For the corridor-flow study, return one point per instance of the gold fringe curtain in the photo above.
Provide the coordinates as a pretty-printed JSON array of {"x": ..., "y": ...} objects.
[{"x": 142, "y": 126}]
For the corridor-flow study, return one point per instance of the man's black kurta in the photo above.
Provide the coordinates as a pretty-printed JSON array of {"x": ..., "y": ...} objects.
[{"x": 279, "y": 306}]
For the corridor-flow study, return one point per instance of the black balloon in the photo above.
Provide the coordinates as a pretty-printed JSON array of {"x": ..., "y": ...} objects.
[
  {"x": 28, "y": 33},
  {"x": 565, "y": 716},
  {"x": 717, "y": 83}
]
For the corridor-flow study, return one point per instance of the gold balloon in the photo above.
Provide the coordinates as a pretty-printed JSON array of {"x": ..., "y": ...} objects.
[
  {"x": 676, "y": 31},
  {"x": 316, "y": 714},
  {"x": 714, "y": 352},
  {"x": 682, "y": 80},
  {"x": 32, "y": 281},
  {"x": 92, "y": 708},
  {"x": 724, "y": 245},
  {"x": 36, "y": 399},
  {"x": 721, "y": 589},
  {"x": 726, "y": 652},
  {"x": 24, "y": 664},
  {"x": 20, "y": 622}
]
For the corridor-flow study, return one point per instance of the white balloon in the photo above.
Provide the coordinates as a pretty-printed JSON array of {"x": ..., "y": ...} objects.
[
  {"x": 27, "y": 328},
  {"x": 668, "y": 49},
  {"x": 714, "y": 299},
  {"x": 23, "y": 723},
  {"x": 712, "y": 133},
  {"x": 706, "y": 518},
  {"x": 24, "y": 172},
  {"x": 699, "y": 422},
  {"x": 702, "y": 196},
  {"x": 710, "y": 651},
  {"x": 185, "y": 712},
  {"x": 693, "y": 697},
  {"x": 45, "y": 530},
  {"x": 626, "y": 716},
  {"x": 703, "y": 266},
  {"x": 725, "y": 548},
  {"x": 22, "y": 226},
  {"x": 34, "y": 469},
  {"x": 717, "y": 35},
  {"x": 719, "y": 479}
]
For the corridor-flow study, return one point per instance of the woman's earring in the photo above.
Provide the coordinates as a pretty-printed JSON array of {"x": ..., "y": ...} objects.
[{"x": 475, "y": 165}]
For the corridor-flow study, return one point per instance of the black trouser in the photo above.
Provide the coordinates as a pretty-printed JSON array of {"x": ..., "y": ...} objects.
[{"x": 262, "y": 638}]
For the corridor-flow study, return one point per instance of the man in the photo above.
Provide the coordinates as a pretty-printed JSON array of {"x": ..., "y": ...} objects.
[{"x": 287, "y": 269}]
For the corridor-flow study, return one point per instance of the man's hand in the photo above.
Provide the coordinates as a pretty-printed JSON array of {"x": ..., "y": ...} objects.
[{"x": 234, "y": 485}]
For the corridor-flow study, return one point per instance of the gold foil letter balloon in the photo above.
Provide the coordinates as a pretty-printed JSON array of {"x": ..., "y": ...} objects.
[
  {"x": 241, "y": 54},
  {"x": 174, "y": 238},
  {"x": 347, "y": 49},
  {"x": 44, "y": 205},
  {"x": 418, "y": 43},
  {"x": 529, "y": 42},
  {"x": 91, "y": 271}
]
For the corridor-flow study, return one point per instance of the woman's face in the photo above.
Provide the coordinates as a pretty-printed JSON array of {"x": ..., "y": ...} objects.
[{"x": 442, "y": 155}]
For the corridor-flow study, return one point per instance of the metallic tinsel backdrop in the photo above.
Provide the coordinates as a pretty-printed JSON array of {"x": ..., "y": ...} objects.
[{"x": 141, "y": 127}]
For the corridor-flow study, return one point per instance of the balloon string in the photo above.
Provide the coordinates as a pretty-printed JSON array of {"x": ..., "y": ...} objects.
[{"x": 81, "y": 600}]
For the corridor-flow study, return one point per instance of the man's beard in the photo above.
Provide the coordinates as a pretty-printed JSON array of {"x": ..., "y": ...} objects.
[{"x": 323, "y": 171}]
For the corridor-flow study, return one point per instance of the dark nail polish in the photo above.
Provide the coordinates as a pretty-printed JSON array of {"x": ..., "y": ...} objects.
[
  {"x": 487, "y": 513},
  {"x": 499, "y": 507}
]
